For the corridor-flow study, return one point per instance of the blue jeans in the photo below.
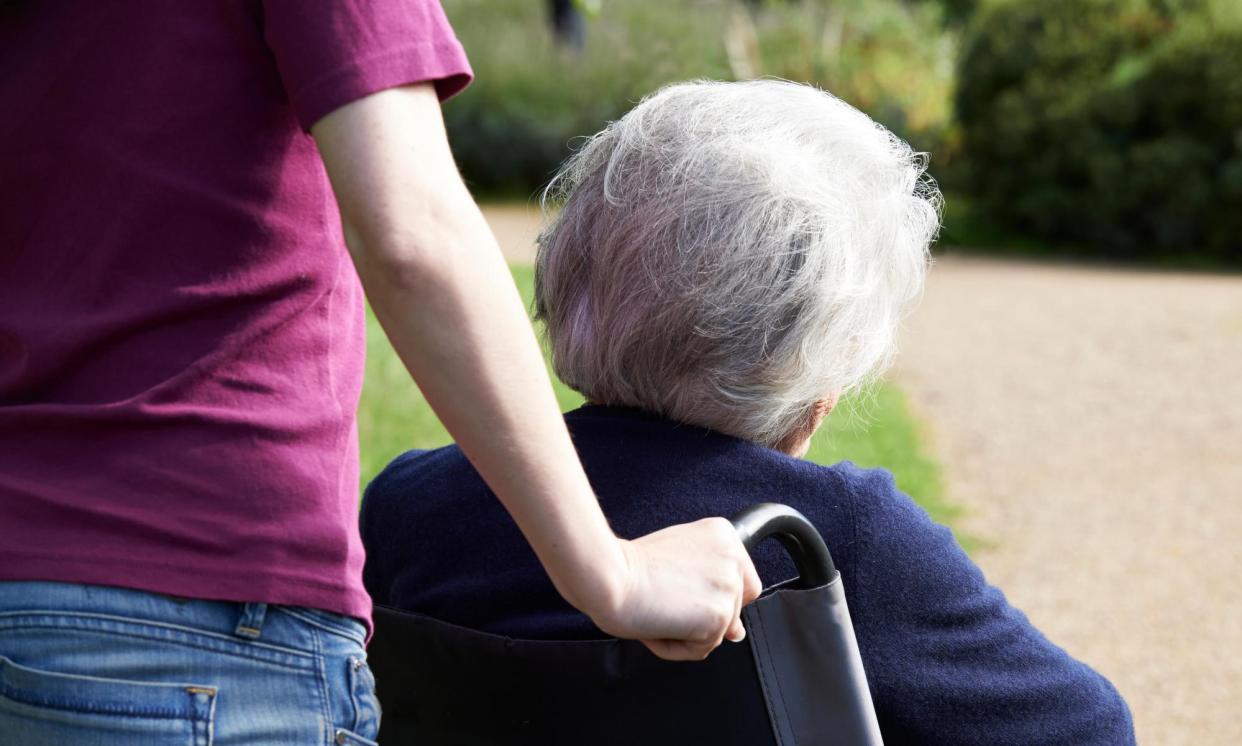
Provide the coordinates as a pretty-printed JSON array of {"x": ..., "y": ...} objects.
[{"x": 88, "y": 665}]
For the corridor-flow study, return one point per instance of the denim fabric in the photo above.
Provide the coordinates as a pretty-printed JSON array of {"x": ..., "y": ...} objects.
[{"x": 87, "y": 665}]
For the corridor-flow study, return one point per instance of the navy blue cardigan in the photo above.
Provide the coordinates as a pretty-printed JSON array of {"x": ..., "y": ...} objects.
[{"x": 948, "y": 659}]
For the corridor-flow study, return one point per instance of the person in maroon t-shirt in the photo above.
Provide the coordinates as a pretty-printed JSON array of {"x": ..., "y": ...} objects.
[{"x": 181, "y": 358}]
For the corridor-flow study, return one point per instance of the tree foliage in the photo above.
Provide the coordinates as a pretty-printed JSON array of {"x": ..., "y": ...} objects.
[{"x": 1112, "y": 124}]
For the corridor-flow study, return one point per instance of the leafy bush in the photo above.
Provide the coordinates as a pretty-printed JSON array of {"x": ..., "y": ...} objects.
[
  {"x": 1114, "y": 124},
  {"x": 531, "y": 99}
]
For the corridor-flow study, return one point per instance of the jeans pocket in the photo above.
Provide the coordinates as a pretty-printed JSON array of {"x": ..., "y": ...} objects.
[
  {"x": 43, "y": 708},
  {"x": 365, "y": 703}
]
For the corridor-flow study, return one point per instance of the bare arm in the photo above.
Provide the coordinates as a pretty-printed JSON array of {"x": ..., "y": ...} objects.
[{"x": 440, "y": 288}]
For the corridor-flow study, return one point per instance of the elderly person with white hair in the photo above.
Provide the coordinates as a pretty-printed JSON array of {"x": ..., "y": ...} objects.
[{"x": 730, "y": 259}]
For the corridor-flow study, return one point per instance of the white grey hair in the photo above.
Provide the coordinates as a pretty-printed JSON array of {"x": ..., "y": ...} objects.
[{"x": 728, "y": 254}]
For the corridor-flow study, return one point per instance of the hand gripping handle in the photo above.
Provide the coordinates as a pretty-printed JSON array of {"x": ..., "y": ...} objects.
[{"x": 796, "y": 533}]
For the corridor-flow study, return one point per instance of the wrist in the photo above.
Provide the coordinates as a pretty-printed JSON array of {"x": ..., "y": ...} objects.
[{"x": 598, "y": 582}]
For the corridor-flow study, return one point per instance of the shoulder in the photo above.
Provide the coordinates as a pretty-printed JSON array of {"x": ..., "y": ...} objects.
[
  {"x": 888, "y": 532},
  {"x": 896, "y": 536},
  {"x": 389, "y": 483},
  {"x": 838, "y": 499},
  {"x": 415, "y": 470},
  {"x": 874, "y": 489},
  {"x": 867, "y": 497},
  {"x": 411, "y": 512},
  {"x": 412, "y": 489},
  {"x": 880, "y": 502},
  {"x": 411, "y": 466}
]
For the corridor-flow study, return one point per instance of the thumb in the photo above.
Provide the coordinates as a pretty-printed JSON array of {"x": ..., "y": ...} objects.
[{"x": 679, "y": 650}]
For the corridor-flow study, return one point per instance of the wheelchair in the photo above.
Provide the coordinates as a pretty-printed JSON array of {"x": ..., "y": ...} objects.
[{"x": 796, "y": 679}]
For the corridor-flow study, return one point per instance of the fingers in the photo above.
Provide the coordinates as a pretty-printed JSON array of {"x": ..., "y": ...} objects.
[
  {"x": 689, "y": 597},
  {"x": 752, "y": 585},
  {"x": 748, "y": 587},
  {"x": 736, "y": 632}
]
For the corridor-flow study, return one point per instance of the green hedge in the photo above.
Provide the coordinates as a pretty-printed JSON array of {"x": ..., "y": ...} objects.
[{"x": 1114, "y": 125}]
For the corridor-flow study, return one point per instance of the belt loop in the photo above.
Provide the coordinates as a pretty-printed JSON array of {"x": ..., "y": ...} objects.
[{"x": 250, "y": 625}]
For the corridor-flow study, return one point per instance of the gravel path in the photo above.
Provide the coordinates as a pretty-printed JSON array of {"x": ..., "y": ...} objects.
[{"x": 1090, "y": 422}]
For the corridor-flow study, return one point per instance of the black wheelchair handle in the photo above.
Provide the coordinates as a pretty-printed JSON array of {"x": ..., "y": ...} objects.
[{"x": 796, "y": 533}]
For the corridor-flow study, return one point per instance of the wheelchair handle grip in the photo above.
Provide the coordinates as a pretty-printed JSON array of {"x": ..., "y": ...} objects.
[{"x": 797, "y": 534}]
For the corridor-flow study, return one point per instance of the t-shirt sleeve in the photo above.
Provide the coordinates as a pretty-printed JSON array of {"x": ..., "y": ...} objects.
[
  {"x": 332, "y": 52},
  {"x": 948, "y": 659}
]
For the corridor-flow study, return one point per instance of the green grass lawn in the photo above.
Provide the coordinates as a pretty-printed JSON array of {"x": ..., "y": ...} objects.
[{"x": 872, "y": 429}]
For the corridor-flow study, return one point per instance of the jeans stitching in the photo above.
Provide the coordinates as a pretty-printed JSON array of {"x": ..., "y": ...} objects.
[
  {"x": 323, "y": 625},
  {"x": 355, "y": 710},
  {"x": 185, "y": 636},
  {"x": 73, "y": 704},
  {"x": 327, "y": 728},
  {"x": 362, "y": 693},
  {"x": 7, "y": 616},
  {"x": 92, "y": 708},
  {"x": 205, "y": 720}
]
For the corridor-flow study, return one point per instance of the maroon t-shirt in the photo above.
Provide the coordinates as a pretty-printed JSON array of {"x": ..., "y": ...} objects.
[{"x": 181, "y": 329}]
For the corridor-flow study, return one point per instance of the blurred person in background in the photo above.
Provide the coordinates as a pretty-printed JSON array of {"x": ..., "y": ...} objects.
[
  {"x": 181, "y": 349},
  {"x": 730, "y": 259},
  {"x": 568, "y": 26}
]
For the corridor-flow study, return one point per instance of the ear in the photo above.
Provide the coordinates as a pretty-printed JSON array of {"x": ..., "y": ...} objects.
[
  {"x": 824, "y": 406},
  {"x": 797, "y": 441}
]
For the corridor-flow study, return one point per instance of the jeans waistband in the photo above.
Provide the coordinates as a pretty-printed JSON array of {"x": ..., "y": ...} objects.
[{"x": 287, "y": 626}]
